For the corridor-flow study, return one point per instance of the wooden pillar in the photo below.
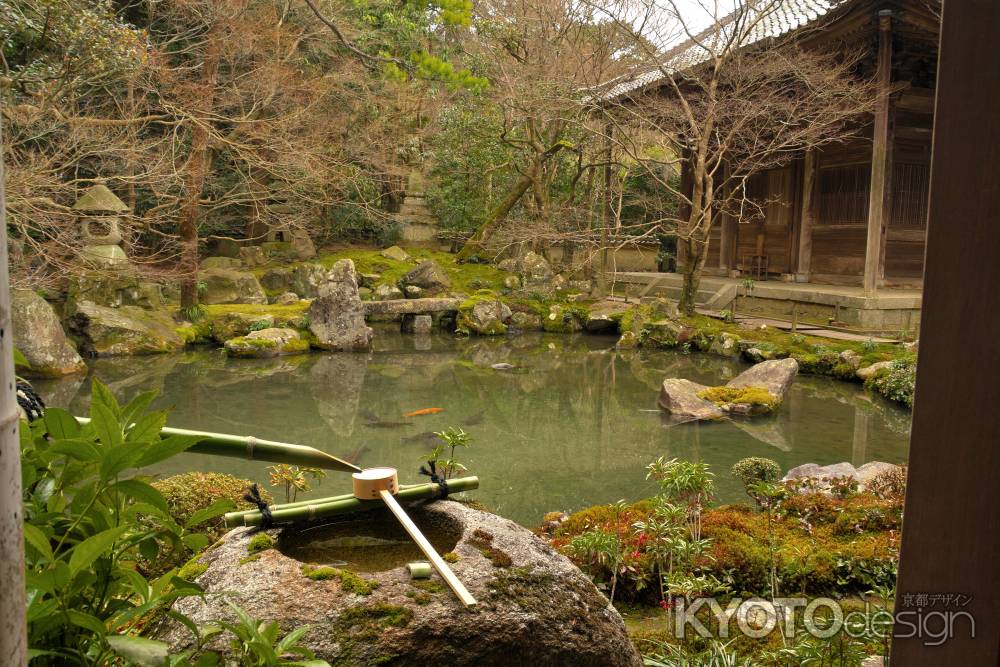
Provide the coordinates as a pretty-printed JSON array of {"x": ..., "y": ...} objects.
[
  {"x": 881, "y": 147},
  {"x": 806, "y": 218},
  {"x": 951, "y": 527}
]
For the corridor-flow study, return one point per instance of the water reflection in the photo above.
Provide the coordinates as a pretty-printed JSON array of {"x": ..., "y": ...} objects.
[{"x": 572, "y": 425}]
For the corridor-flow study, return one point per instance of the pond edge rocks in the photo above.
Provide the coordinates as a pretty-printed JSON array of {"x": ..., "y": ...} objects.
[{"x": 534, "y": 606}]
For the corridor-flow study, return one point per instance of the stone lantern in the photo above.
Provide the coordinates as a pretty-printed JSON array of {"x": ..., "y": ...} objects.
[{"x": 99, "y": 209}]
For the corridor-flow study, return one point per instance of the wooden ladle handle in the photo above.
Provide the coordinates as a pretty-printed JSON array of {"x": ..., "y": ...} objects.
[{"x": 432, "y": 555}]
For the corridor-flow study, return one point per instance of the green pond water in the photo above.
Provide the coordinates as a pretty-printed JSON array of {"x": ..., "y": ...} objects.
[{"x": 573, "y": 425}]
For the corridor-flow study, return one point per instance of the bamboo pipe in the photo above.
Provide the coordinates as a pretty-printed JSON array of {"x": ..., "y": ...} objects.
[
  {"x": 254, "y": 449},
  {"x": 326, "y": 507},
  {"x": 313, "y": 501},
  {"x": 384, "y": 483}
]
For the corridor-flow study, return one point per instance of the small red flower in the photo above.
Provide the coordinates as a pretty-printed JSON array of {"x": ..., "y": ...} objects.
[
  {"x": 636, "y": 554},
  {"x": 664, "y": 604}
]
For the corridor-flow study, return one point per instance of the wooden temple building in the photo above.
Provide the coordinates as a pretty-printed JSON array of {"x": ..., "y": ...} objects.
[{"x": 853, "y": 214}]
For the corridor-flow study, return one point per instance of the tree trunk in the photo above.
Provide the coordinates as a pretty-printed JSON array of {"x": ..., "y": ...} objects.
[
  {"x": 13, "y": 629},
  {"x": 695, "y": 252},
  {"x": 477, "y": 242},
  {"x": 194, "y": 176}
]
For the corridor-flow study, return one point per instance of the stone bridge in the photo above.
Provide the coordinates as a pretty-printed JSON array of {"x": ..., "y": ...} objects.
[
  {"x": 411, "y": 306},
  {"x": 417, "y": 313}
]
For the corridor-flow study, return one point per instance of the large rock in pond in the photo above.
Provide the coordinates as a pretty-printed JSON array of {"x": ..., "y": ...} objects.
[
  {"x": 230, "y": 286},
  {"x": 776, "y": 376},
  {"x": 129, "y": 330},
  {"x": 534, "y": 606},
  {"x": 486, "y": 317},
  {"x": 679, "y": 398},
  {"x": 39, "y": 336},
  {"x": 267, "y": 343},
  {"x": 337, "y": 314},
  {"x": 427, "y": 276}
]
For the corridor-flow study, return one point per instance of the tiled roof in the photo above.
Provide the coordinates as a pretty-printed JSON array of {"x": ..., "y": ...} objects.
[{"x": 773, "y": 21}]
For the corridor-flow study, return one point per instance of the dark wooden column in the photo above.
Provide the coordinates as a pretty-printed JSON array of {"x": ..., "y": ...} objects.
[
  {"x": 881, "y": 149},
  {"x": 951, "y": 526},
  {"x": 803, "y": 263}
]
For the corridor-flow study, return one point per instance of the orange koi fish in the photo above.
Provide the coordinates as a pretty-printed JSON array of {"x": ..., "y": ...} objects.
[{"x": 425, "y": 411}]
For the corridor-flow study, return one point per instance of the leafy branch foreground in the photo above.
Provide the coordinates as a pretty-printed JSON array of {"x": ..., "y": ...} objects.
[{"x": 93, "y": 527}]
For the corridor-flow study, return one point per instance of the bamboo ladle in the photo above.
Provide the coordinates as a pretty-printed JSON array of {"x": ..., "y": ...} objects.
[{"x": 375, "y": 483}]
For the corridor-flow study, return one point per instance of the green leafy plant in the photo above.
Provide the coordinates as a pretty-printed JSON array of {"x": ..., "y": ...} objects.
[
  {"x": 294, "y": 478},
  {"x": 603, "y": 547},
  {"x": 257, "y": 643},
  {"x": 260, "y": 325},
  {"x": 673, "y": 530},
  {"x": 896, "y": 384},
  {"x": 452, "y": 439},
  {"x": 194, "y": 313},
  {"x": 89, "y": 519}
]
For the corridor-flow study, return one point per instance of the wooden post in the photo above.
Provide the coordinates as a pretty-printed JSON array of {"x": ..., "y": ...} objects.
[
  {"x": 804, "y": 258},
  {"x": 13, "y": 628},
  {"x": 881, "y": 147},
  {"x": 951, "y": 529}
]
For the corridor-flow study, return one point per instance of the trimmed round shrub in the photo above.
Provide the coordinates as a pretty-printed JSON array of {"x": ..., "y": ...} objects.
[{"x": 756, "y": 469}]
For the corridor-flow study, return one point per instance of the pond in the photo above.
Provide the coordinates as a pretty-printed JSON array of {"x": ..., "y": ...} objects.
[{"x": 571, "y": 425}]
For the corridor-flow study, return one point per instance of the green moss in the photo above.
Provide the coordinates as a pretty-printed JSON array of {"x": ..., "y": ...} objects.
[
  {"x": 261, "y": 310},
  {"x": 754, "y": 396},
  {"x": 465, "y": 278},
  {"x": 450, "y": 557},
  {"x": 419, "y": 597},
  {"x": 349, "y": 581},
  {"x": 428, "y": 585},
  {"x": 249, "y": 559},
  {"x": 260, "y": 542},
  {"x": 298, "y": 346},
  {"x": 192, "y": 570},
  {"x": 366, "y": 622},
  {"x": 190, "y": 334},
  {"x": 191, "y": 492}
]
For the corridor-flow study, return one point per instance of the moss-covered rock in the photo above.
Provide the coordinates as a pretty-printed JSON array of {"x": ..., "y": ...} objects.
[
  {"x": 128, "y": 330},
  {"x": 39, "y": 336},
  {"x": 223, "y": 322},
  {"x": 483, "y": 314},
  {"x": 386, "y": 617},
  {"x": 750, "y": 401},
  {"x": 230, "y": 286},
  {"x": 265, "y": 343}
]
